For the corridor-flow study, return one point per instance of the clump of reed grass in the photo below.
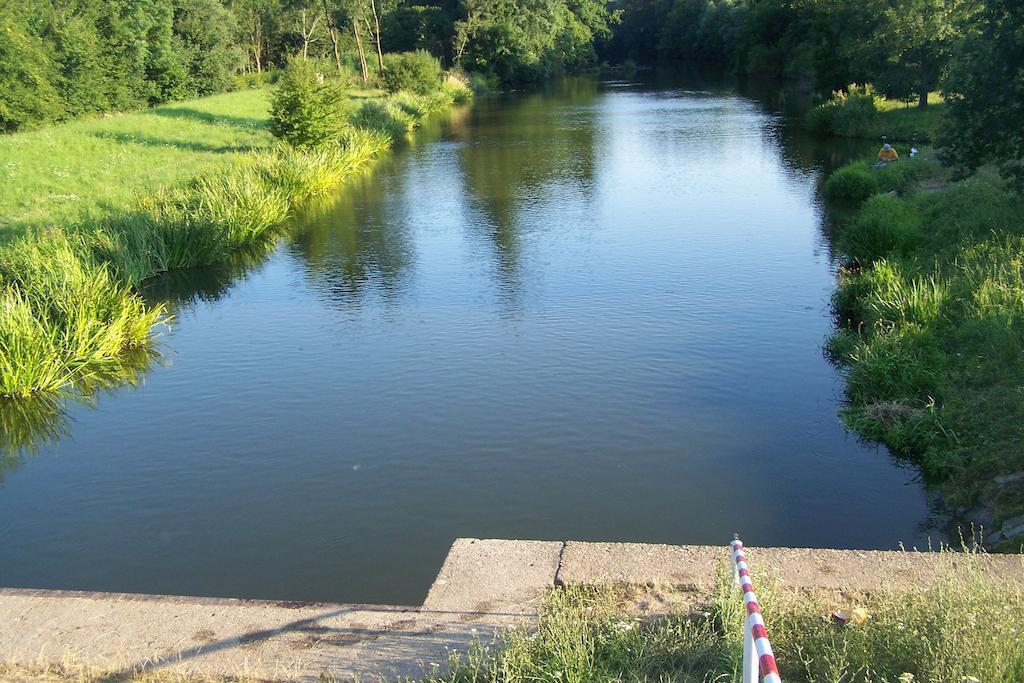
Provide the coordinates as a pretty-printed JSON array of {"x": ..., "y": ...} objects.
[
  {"x": 884, "y": 226},
  {"x": 384, "y": 117},
  {"x": 66, "y": 315}
]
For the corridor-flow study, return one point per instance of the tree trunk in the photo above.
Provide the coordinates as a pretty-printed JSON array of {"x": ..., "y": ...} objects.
[
  {"x": 332, "y": 32},
  {"x": 337, "y": 54},
  {"x": 922, "y": 100},
  {"x": 362, "y": 55},
  {"x": 307, "y": 35},
  {"x": 376, "y": 21}
]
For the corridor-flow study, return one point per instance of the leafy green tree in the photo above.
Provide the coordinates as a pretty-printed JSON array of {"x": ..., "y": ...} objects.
[
  {"x": 307, "y": 110},
  {"x": 522, "y": 40},
  {"x": 985, "y": 94},
  {"x": 204, "y": 42},
  {"x": 702, "y": 30},
  {"x": 27, "y": 75},
  {"x": 918, "y": 40}
]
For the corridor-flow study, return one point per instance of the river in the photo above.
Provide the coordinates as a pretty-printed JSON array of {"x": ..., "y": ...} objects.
[{"x": 592, "y": 312}]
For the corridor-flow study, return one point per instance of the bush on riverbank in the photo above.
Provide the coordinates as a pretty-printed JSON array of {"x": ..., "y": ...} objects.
[
  {"x": 416, "y": 72},
  {"x": 962, "y": 628},
  {"x": 932, "y": 340},
  {"x": 70, "y": 309},
  {"x": 859, "y": 180},
  {"x": 306, "y": 109}
]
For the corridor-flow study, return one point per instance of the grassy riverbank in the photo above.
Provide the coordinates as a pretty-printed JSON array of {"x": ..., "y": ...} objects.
[
  {"x": 218, "y": 184},
  {"x": 961, "y": 629},
  {"x": 861, "y": 113},
  {"x": 931, "y": 305}
]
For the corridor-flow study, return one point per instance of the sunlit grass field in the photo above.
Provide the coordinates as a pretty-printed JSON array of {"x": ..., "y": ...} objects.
[{"x": 87, "y": 168}]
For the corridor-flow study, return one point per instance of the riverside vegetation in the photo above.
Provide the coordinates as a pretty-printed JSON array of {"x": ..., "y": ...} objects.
[
  {"x": 931, "y": 337},
  {"x": 70, "y": 296}
]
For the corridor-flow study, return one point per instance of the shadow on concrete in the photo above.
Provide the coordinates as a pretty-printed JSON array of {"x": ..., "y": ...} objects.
[{"x": 408, "y": 623}]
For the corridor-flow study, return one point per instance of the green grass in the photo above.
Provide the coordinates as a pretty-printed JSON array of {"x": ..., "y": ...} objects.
[
  {"x": 931, "y": 339},
  {"x": 857, "y": 181},
  {"x": 963, "y": 628},
  {"x": 866, "y": 115},
  {"x": 86, "y": 168},
  {"x": 68, "y": 283}
]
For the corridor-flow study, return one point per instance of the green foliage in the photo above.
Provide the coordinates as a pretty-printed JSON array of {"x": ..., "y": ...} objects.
[
  {"x": 67, "y": 59},
  {"x": 918, "y": 40},
  {"x": 417, "y": 72},
  {"x": 702, "y": 30},
  {"x": 932, "y": 335},
  {"x": 526, "y": 40},
  {"x": 851, "y": 183},
  {"x": 307, "y": 110},
  {"x": 28, "y": 95},
  {"x": 204, "y": 44},
  {"x": 885, "y": 225},
  {"x": 848, "y": 113},
  {"x": 984, "y": 95}
]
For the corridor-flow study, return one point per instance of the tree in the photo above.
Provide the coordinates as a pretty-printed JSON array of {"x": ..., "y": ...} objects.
[
  {"x": 985, "y": 95},
  {"x": 306, "y": 111},
  {"x": 27, "y": 75},
  {"x": 203, "y": 41},
  {"x": 918, "y": 40},
  {"x": 255, "y": 22}
]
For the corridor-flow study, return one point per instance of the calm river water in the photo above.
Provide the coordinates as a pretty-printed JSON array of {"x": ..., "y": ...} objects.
[{"x": 595, "y": 312}]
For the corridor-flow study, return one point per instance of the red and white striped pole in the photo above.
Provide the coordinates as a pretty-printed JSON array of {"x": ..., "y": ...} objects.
[{"x": 758, "y": 658}]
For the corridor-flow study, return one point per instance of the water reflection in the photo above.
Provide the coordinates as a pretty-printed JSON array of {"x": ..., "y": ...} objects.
[
  {"x": 517, "y": 153},
  {"x": 354, "y": 242},
  {"x": 28, "y": 426}
]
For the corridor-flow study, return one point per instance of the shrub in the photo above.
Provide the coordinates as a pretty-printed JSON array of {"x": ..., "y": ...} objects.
[
  {"x": 885, "y": 225},
  {"x": 850, "y": 113},
  {"x": 417, "y": 72},
  {"x": 307, "y": 110},
  {"x": 853, "y": 182}
]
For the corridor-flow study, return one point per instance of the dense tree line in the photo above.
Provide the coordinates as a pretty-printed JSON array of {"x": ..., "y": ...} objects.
[
  {"x": 903, "y": 47},
  {"x": 64, "y": 58}
]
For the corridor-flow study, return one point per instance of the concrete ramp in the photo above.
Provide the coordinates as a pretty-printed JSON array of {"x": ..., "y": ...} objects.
[
  {"x": 483, "y": 587},
  {"x": 120, "y": 634}
]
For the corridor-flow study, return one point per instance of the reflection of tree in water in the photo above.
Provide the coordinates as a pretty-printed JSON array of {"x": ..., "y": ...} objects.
[
  {"x": 513, "y": 152},
  {"x": 179, "y": 289},
  {"x": 353, "y": 242},
  {"x": 28, "y": 425}
]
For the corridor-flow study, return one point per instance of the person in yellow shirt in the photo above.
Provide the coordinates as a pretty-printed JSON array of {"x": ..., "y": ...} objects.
[{"x": 887, "y": 154}]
